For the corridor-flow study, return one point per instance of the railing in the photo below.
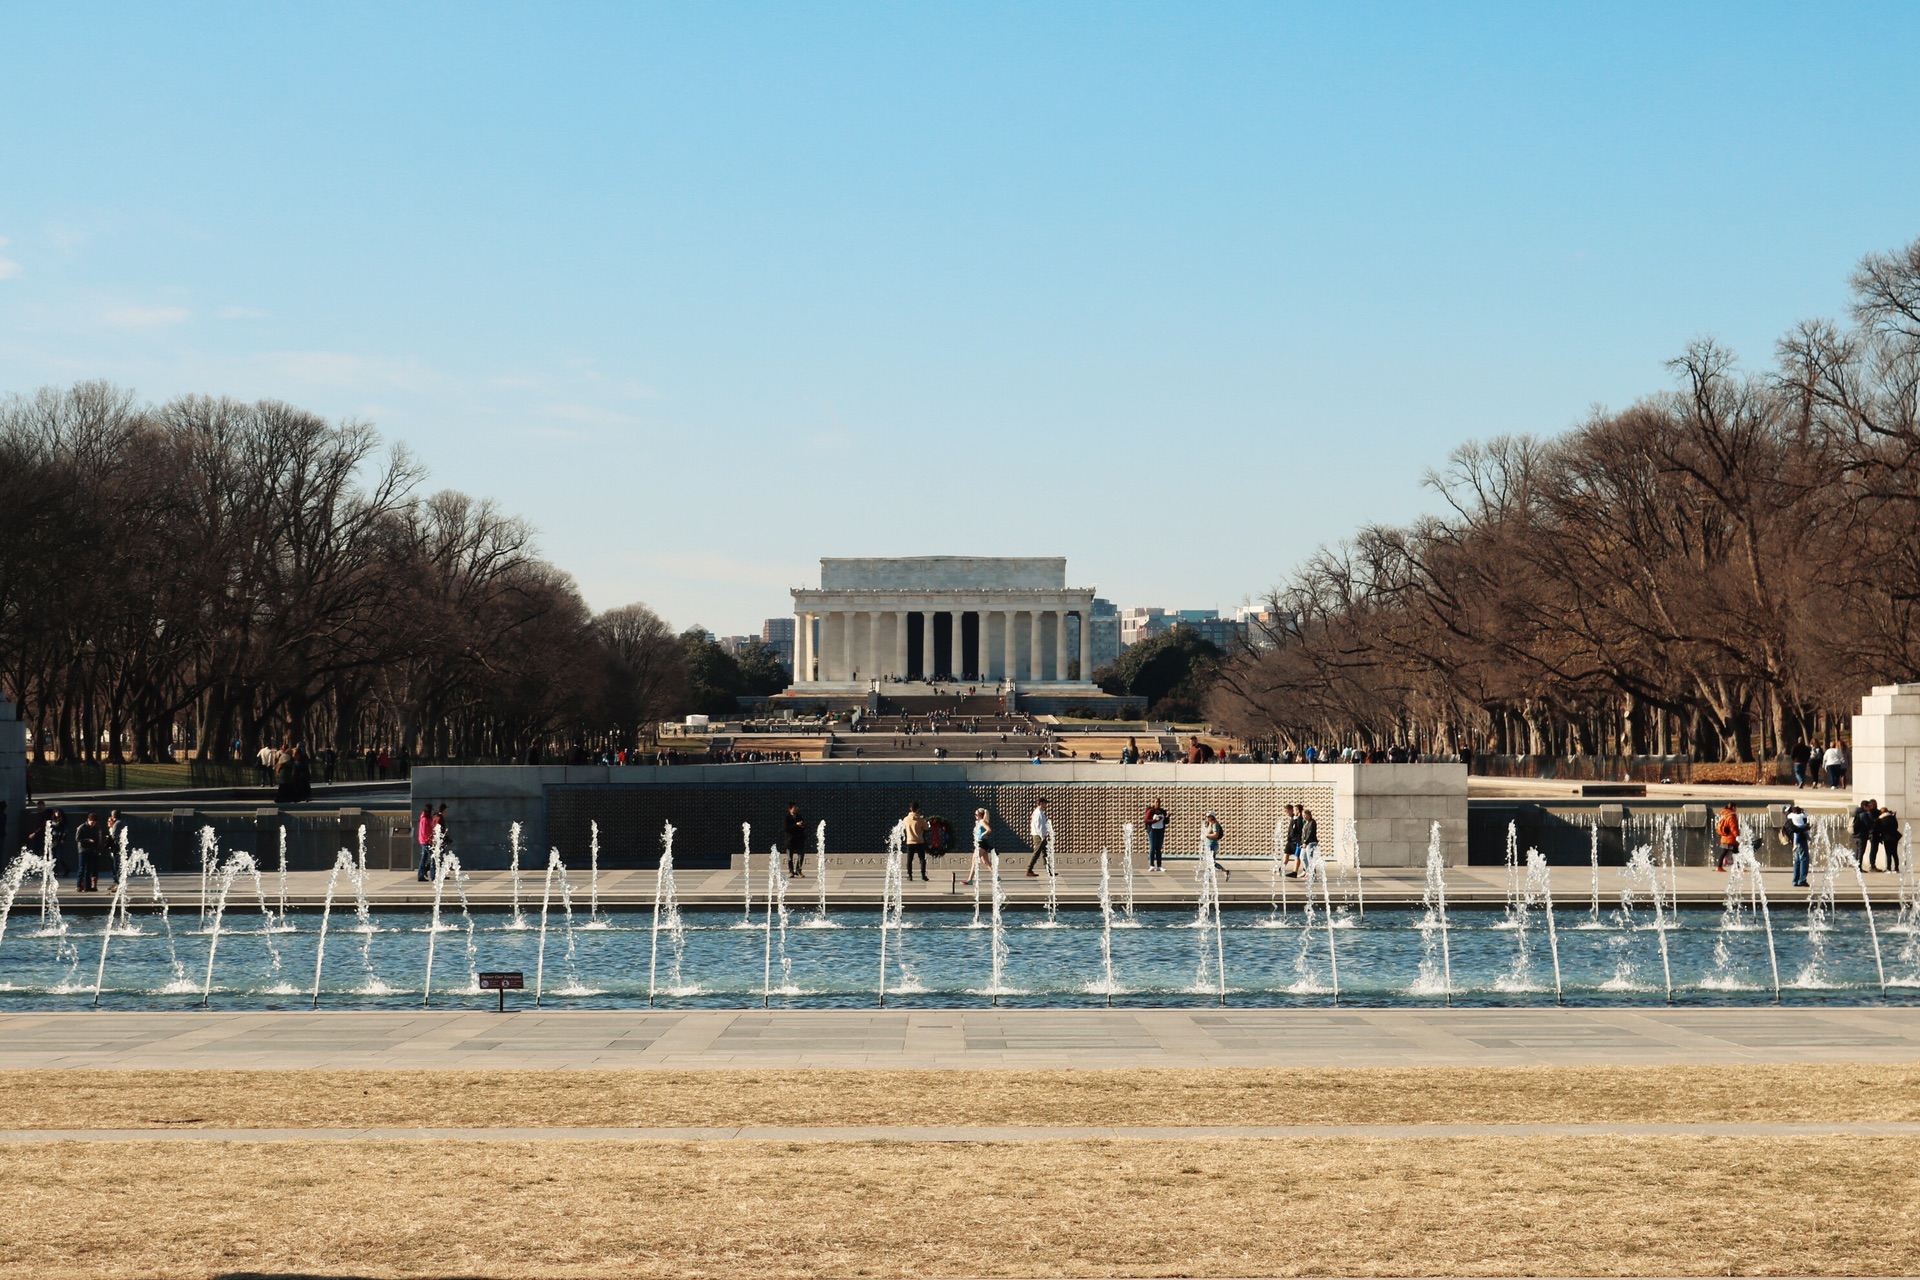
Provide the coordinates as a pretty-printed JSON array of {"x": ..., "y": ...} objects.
[{"x": 1680, "y": 769}]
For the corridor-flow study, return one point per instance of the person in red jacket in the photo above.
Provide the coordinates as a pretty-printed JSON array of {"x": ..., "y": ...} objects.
[{"x": 1727, "y": 829}]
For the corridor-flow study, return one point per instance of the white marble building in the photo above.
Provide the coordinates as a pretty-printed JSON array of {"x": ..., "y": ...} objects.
[{"x": 978, "y": 619}]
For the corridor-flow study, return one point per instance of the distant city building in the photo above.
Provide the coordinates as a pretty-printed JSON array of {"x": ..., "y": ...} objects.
[
  {"x": 1137, "y": 624},
  {"x": 1103, "y": 633},
  {"x": 1263, "y": 624},
  {"x": 777, "y": 635},
  {"x": 1223, "y": 633},
  {"x": 1143, "y": 623},
  {"x": 738, "y": 646}
]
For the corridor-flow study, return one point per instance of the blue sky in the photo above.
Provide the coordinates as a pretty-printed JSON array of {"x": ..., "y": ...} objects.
[{"x": 708, "y": 292}]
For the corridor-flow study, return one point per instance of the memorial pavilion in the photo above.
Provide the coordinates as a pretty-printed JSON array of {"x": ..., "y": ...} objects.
[{"x": 1006, "y": 621}]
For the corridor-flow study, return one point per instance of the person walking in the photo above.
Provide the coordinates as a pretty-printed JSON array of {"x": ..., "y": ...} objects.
[
  {"x": 1798, "y": 829},
  {"x": 1727, "y": 830},
  {"x": 795, "y": 827},
  {"x": 423, "y": 836},
  {"x": 1040, "y": 832},
  {"x": 1211, "y": 834},
  {"x": 1835, "y": 763},
  {"x": 1800, "y": 755},
  {"x": 116, "y": 829},
  {"x": 1865, "y": 814},
  {"x": 86, "y": 844},
  {"x": 1295, "y": 829},
  {"x": 1156, "y": 824},
  {"x": 916, "y": 832},
  {"x": 1887, "y": 827},
  {"x": 982, "y": 845},
  {"x": 1309, "y": 835}
]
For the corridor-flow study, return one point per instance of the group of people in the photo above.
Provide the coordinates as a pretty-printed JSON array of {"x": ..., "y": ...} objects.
[
  {"x": 1809, "y": 762},
  {"x": 94, "y": 841},
  {"x": 288, "y": 769},
  {"x": 430, "y": 823},
  {"x": 1875, "y": 831}
]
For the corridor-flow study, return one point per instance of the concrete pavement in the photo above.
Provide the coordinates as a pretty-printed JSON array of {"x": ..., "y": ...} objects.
[{"x": 974, "y": 1039}]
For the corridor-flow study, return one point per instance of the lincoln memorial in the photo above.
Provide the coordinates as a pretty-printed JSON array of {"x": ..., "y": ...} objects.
[{"x": 971, "y": 618}]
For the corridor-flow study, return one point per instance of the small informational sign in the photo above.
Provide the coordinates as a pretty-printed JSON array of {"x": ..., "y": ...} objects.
[{"x": 503, "y": 982}]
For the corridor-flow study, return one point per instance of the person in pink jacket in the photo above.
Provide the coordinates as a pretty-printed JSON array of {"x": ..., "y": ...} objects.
[{"x": 423, "y": 835}]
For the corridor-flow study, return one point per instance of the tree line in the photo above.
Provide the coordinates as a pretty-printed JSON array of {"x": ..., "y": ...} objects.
[
  {"x": 1718, "y": 570},
  {"x": 221, "y": 575}
]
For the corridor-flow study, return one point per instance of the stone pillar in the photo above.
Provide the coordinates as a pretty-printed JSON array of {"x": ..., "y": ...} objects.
[
  {"x": 846, "y": 647},
  {"x": 13, "y": 776},
  {"x": 900, "y": 644},
  {"x": 955, "y": 620},
  {"x": 1035, "y": 668},
  {"x": 1886, "y": 749},
  {"x": 926, "y": 644},
  {"x": 1059, "y": 644},
  {"x": 802, "y": 647}
]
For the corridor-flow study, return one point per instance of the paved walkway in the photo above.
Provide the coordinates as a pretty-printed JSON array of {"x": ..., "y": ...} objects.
[
  {"x": 970, "y": 1039},
  {"x": 857, "y": 888},
  {"x": 979, "y": 1133}
]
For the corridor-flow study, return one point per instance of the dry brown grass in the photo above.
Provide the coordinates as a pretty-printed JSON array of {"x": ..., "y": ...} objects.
[
  {"x": 1542, "y": 1206},
  {"x": 277, "y": 1099}
]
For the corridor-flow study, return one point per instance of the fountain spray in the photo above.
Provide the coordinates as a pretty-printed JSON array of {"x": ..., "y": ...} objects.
[
  {"x": 820, "y": 870},
  {"x": 746, "y": 874},
  {"x": 1333, "y": 956},
  {"x": 519, "y": 921},
  {"x": 666, "y": 909},
  {"x": 1106, "y": 930},
  {"x": 1541, "y": 875},
  {"x": 283, "y": 866},
  {"x": 209, "y": 857},
  {"x": 1435, "y": 921},
  {"x": 593, "y": 872},
  {"x": 132, "y": 863},
  {"x": 1872, "y": 929}
]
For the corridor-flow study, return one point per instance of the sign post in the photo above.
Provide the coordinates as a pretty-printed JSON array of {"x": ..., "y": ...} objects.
[{"x": 513, "y": 980}]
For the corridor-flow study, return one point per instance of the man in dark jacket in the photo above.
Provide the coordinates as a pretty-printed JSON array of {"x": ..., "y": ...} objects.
[
  {"x": 796, "y": 829},
  {"x": 87, "y": 842},
  {"x": 1865, "y": 839}
]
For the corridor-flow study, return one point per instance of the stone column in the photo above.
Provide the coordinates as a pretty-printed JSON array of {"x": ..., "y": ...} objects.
[
  {"x": 1035, "y": 668},
  {"x": 900, "y": 617},
  {"x": 926, "y": 644},
  {"x": 956, "y": 621},
  {"x": 802, "y": 642},
  {"x": 1885, "y": 751},
  {"x": 846, "y": 647},
  {"x": 13, "y": 774}
]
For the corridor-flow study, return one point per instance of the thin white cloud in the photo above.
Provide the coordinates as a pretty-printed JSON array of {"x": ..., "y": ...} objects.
[{"x": 135, "y": 317}]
